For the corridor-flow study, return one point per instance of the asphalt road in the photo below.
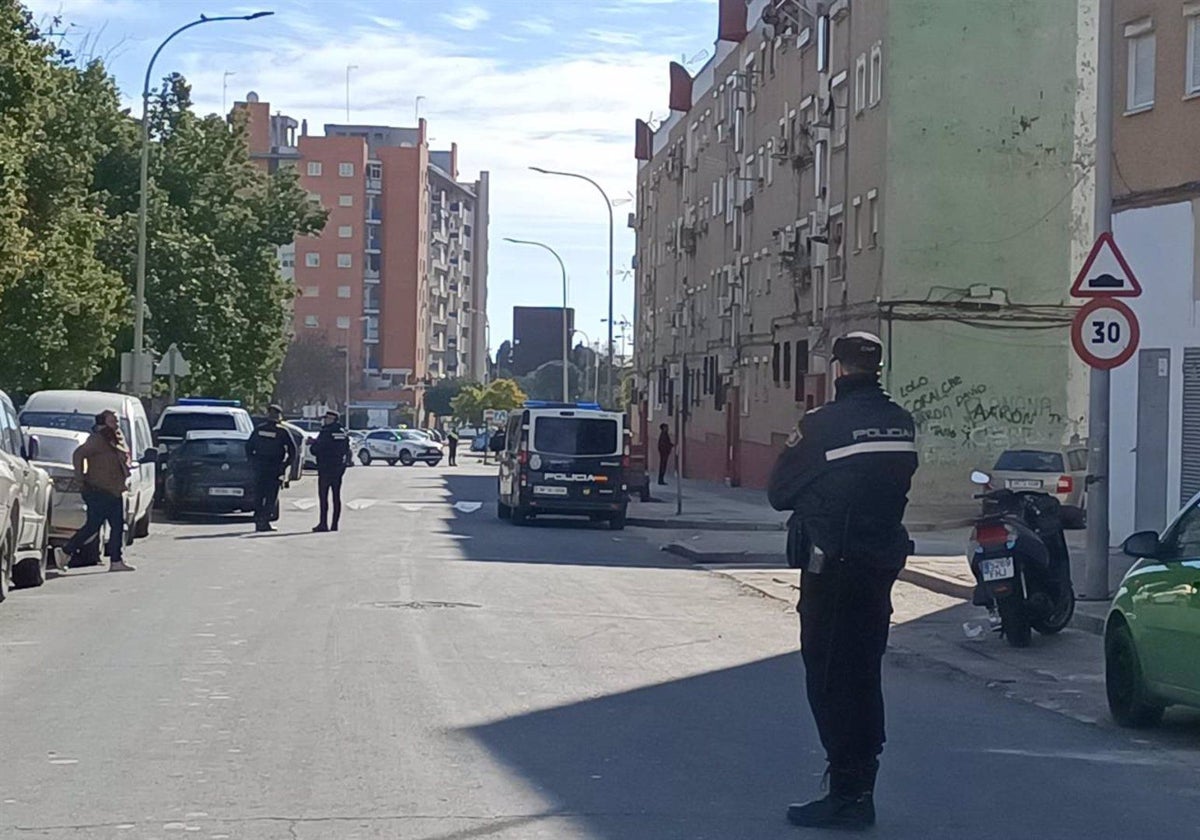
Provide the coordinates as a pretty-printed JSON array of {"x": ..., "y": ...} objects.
[{"x": 432, "y": 673}]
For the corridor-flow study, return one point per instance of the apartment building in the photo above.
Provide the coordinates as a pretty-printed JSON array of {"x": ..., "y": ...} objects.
[
  {"x": 916, "y": 170},
  {"x": 1155, "y": 412},
  {"x": 382, "y": 278}
]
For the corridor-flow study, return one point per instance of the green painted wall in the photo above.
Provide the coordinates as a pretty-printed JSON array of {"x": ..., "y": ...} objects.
[{"x": 981, "y": 100}]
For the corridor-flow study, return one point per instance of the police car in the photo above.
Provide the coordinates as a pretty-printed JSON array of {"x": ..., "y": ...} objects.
[{"x": 564, "y": 459}]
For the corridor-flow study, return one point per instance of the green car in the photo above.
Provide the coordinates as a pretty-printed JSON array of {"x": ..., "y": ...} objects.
[{"x": 1152, "y": 636}]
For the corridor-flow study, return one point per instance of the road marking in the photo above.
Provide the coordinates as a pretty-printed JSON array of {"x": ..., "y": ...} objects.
[
  {"x": 304, "y": 504},
  {"x": 467, "y": 507},
  {"x": 361, "y": 504}
]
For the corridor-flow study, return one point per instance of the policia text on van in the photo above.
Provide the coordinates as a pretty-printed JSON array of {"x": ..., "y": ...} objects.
[{"x": 564, "y": 459}]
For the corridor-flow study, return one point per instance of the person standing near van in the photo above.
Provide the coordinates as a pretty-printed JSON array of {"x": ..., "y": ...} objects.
[
  {"x": 332, "y": 451},
  {"x": 102, "y": 467},
  {"x": 665, "y": 447},
  {"x": 271, "y": 450},
  {"x": 452, "y": 445}
]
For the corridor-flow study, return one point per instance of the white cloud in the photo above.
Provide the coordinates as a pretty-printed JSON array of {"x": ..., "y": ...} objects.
[
  {"x": 537, "y": 26},
  {"x": 468, "y": 18},
  {"x": 572, "y": 112}
]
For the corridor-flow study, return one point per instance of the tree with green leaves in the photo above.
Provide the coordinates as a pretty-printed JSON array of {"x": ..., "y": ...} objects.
[
  {"x": 214, "y": 228},
  {"x": 60, "y": 304},
  {"x": 439, "y": 397},
  {"x": 499, "y": 394}
]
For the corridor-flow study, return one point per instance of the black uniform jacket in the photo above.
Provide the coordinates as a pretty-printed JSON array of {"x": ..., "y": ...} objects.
[
  {"x": 331, "y": 449},
  {"x": 271, "y": 449},
  {"x": 846, "y": 473}
]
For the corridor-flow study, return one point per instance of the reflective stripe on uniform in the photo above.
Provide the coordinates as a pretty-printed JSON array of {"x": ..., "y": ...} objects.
[{"x": 870, "y": 448}]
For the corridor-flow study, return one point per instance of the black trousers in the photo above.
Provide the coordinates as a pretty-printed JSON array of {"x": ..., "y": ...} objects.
[
  {"x": 845, "y": 612},
  {"x": 266, "y": 496},
  {"x": 664, "y": 460},
  {"x": 101, "y": 508},
  {"x": 330, "y": 484},
  {"x": 453, "y": 449}
]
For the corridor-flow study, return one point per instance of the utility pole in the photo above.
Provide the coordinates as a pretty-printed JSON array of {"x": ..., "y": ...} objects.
[
  {"x": 1096, "y": 585},
  {"x": 224, "y": 91}
]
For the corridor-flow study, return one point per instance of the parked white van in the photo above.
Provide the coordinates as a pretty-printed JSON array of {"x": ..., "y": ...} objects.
[{"x": 77, "y": 410}]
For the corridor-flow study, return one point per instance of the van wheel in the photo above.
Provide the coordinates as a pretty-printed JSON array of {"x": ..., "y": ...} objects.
[
  {"x": 29, "y": 572},
  {"x": 519, "y": 515},
  {"x": 364, "y": 457},
  {"x": 391, "y": 462},
  {"x": 142, "y": 529},
  {"x": 617, "y": 522},
  {"x": 503, "y": 511}
]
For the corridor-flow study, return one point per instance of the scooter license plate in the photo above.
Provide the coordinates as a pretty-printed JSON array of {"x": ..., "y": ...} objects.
[{"x": 1000, "y": 568}]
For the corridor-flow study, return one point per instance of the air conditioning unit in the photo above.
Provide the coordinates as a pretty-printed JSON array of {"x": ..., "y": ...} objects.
[
  {"x": 782, "y": 150},
  {"x": 687, "y": 238}
]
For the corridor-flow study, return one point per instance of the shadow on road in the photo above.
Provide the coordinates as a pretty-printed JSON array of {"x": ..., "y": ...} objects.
[{"x": 559, "y": 540}]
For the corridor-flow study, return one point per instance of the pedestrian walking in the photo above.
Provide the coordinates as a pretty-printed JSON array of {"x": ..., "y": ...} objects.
[
  {"x": 452, "y": 445},
  {"x": 665, "y": 447},
  {"x": 332, "y": 451},
  {"x": 271, "y": 450},
  {"x": 102, "y": 468},
  {"x": 846, "y": 474}
]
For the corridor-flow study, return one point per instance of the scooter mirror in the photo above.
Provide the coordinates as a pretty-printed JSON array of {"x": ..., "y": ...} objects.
[{"x": 981, "y": 478}]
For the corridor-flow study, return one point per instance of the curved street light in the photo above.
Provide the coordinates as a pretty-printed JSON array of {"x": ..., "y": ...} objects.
[
  {"x": 566, "y": 331},
  {"x": 608, "y": 377},
  {"x": 139, "y": 297}
]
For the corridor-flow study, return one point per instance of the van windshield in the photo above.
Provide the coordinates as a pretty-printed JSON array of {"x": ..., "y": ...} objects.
[
  {"x": 581, "y": 436},
  {"x": 178, "y": 423},
  {"x": 53, "y": 449},
  {"x": 74, "y": 420}
]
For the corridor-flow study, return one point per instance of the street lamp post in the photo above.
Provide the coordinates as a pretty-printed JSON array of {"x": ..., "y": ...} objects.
[
  {"x": 349, "y": 67},
  {"x": 566, "y": 330},
  {"x": 139, "y": 295},
  {"x": 608, "y": 379}
]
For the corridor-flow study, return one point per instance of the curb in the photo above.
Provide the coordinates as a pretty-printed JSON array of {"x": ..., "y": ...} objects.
[
  {"x": 702, "y": 525},
  {"x": 680, "y": 550},
  {"x": 949, "y": 524},
  {"x": 941, "y": 584},
  {"x": 665, "y": 523}
]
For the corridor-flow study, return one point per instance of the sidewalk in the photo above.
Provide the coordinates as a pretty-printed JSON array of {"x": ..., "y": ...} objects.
[
  {"x": 940, "y": 564},
  {"x": 709, "y": 506}
]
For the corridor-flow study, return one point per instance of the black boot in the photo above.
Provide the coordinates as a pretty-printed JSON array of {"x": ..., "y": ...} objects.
[{"x": 849, "y": 806}]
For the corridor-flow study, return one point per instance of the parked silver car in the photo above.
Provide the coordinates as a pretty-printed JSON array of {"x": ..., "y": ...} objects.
[
  {"x": 1060, "y": 472},
  {"x": 25, "y": 504}
]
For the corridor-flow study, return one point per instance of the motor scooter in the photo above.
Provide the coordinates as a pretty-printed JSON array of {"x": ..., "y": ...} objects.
[{"x": 1022, "y": 566}]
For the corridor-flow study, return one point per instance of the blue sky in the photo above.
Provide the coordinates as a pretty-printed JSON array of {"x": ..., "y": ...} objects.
[{"x": 555, "y": 83}]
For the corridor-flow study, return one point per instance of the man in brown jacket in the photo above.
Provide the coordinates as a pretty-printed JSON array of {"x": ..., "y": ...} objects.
[{"x": 102, "y": 466}]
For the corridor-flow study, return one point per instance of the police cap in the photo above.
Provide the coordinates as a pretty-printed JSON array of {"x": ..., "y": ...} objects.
[
  {"x": 274, "y": 409},
  {"x": 333, "y": 414},
  {"x": 860, "y": 350}
]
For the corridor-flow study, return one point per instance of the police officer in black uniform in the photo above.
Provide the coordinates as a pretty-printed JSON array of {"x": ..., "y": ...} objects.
[
  {"x": 271, "y": 450},
  {"x": 332, "y": 451},
  {"x": 846, "y": 474}
]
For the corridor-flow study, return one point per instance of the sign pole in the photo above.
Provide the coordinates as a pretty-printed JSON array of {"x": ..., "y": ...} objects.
[{"x": 1096, "y": 586}]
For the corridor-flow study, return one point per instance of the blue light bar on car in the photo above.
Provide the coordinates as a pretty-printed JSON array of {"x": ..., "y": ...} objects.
[
  {"x": 206, "y": 401},
  {"x": 590, "y": 406}
]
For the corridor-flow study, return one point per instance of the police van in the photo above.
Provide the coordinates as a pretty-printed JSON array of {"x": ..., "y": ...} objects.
[{"x": 564, "y": 459}]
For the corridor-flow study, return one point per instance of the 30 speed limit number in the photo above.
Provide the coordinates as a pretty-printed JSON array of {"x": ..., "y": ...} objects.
[{"x": 1105, "y": 333}]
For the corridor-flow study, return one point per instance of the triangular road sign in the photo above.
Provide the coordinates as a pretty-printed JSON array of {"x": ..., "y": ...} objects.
[{"x": 1106, "y": 273}]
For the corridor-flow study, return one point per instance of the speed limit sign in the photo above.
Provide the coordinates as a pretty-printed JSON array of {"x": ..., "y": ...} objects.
[{"x": 1105, "y": 333}]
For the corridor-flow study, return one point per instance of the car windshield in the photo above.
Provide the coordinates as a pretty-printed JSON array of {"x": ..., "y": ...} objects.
[
  {"x": 225, "y": 449},
  {"x": 414, "y": 436},
  {"x": 178, "y": 423},
  {"x": 53, "y": 449},
  {"x": 74, "y": 420},
  {"x": 575, "y": 436},
  {"x": 1026, "y": 460}
]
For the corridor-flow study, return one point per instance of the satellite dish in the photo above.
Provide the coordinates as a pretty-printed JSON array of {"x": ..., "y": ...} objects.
[{"x": 251, "y": 97}]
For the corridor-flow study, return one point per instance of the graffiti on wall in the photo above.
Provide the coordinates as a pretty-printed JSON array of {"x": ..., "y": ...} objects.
[{"x": 957, "y": 418}]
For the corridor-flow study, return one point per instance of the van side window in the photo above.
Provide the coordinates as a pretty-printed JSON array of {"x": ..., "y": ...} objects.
[
  {"x": 512, "y": 437},
  {"x": 10, "y": 432}
]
